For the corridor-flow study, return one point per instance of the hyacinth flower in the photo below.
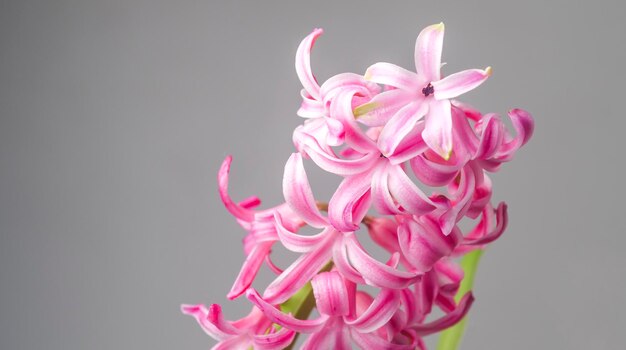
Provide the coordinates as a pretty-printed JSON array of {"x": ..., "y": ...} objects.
[{"x": 414, "y": 162}]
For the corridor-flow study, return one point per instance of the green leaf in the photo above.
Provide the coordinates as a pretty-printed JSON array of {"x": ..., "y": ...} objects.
[{"x": 451, "y": 337}]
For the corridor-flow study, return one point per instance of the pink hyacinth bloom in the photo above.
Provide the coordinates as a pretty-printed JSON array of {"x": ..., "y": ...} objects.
[
  {"x": 418, "y": 95},
  {"x": 253, "y": 331}
]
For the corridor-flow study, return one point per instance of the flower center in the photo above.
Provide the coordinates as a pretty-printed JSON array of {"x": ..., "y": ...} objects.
[{"x": 429, "y": 89}]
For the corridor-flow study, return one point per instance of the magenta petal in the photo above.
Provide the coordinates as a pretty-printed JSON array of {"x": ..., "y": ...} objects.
[
  {"x": 250, "y": 268},
  {"x": 334, "y": 336},
  {"x": 491, "y": 138},
  {"x": 374, "y": 272},
  {"x": 459, "y": 83},
  {"x": 448, "y": 320},
  {"x": 438, "y": 131},
  {"x": 428, "y": 49},
  {"x": 372, "y": 341},
  {"x": 390, "y": 74},
  {"x": 222, "y": 179},
  {"x": 274, "y": 341},
  {"x": 433, "y": 173},
  {"x": 303, "y": 64},
  {"x": 378, "y": 313},
  {"x": 347, "y": 197},
  {"x": 400, "y": 125},
  {"x": 502, "y": 222},
  {"x": 300, "y": 271},
  {"x": 331, "y": 295},
  {"x": 211, "y": 321},
  {"x": 275, "y": 315},
  {"x": 381, "y": 196},
  {"x": 342, "y": 263},
  {"x": 298, "y": 194}
]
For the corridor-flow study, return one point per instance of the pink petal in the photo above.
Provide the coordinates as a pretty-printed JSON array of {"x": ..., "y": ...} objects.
[
  {"x": 407, "y": 194},
  {"x": 333, "y": 336},
  {"x": 274, "y": 341},
  {"x": 374, "y": 272},
  {"x": 342, "y": 263},
  {"x": 491, "y": 138},
  {"x": 240, "y": 342},
  {"x": 502, "y": 222},
  {"x": 303, "y": 64},
  {"x": 390, "y": 74},
  {"x": 381, "y": 196},
  {"x": 524, "y": 126},
  {"x": 428, "y": 49},
  {"x": 310, "y": 107},
  {"x": 346, "y": 199},
  {"x": 222, "y": 179},
  {"x": 378, "y": 313},
  {"x": 341, "y": 109},
  {"x": 298, "y": 194},
  {"x": 300, "y": 271},
  {"x": 371, "y": 341},
  {"x": 448, "y": 320},
  {"x": 343, "y": 81},
  {"x": 383, "y": 106},
  {"x": 400, "y": 125},
  {"x": 423, "y": 243},
  {"x": 411, "y": 146},
  {"x": 330, "y": 162},
  {"x": 459, "y": 83},
  {"x": 275, "y": 315},
  {"x": 331, "y": 295},
  {"x": 433, "y": 173},
  {"x": 438, "y": 131},
  {"x": 295, "y": 242},
  {"x": 250, "y": 268},
  {"x": 211, "y": 321}
]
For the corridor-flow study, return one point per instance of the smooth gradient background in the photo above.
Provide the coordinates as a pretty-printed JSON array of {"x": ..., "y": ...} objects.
[{"x": 115, "y": 116}]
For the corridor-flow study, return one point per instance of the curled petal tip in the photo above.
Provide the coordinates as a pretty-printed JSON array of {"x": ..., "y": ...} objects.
[
  {"x": 440, "y": 26},
  {"x": 488, "y": 71}
]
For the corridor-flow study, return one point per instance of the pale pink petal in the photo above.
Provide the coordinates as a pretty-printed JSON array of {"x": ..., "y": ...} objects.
[
  {"x": 274, "y": 341},
  {"x": 240, "y": 342},
  {"x": 222, "y": 179},
  {"x": 407, "y": 194},
  {"x": 342, "y": 263},
  {"x": 303, "y": 64},
  {"x": 438, "y": 131},
  {"x": 275, "y": 315},
  {"x": 346, "y": 198},
  {"x": 374, "y": 272},
  {"x": 428, "y": 49},
  {"x": 330, "y": 162},
  {"x": 378, "y": 313},
  {"x": 433, "y": 173},
  {"x": 381, "y": 196},
  {"x": 390, "y": 74},
  {"x": 448, "y": 320},
  {"x": 401, "y": 125},
  {"x": 250, "y": 268},
  {"x": 310, "y": 107},
  {"x": 298, "y": 194},
  {"x": 341, "y": 109},
  {"x": 296, "y": 242},
  {"x": 343, "y": 81},
  {"x": 331, "y": 295},
  {"x": 211, "y": 321},
  {"x": 383, "y": 106},
  {"x": 459, "y": 83},
  {"x": 300, "y": 271}
]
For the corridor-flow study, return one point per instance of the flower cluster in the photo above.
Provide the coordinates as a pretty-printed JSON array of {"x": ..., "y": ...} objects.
[{"x": 414, "y": 163}]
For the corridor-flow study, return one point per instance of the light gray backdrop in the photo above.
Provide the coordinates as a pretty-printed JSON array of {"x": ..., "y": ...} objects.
[{"x": 115, "y": 116}]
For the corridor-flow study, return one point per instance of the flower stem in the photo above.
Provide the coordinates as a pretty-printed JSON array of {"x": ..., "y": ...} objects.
[
  {"x": 302, "y": 303},
  {"x": 451, "y": 337}
]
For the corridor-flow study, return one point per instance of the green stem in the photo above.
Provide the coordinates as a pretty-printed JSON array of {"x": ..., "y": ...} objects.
[
  {"x": 302, "y": 303},
  {"x": 451, "y": 337}
]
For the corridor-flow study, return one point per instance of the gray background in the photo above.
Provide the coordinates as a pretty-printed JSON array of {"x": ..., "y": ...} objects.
[{"x": 115, "y": 117}]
